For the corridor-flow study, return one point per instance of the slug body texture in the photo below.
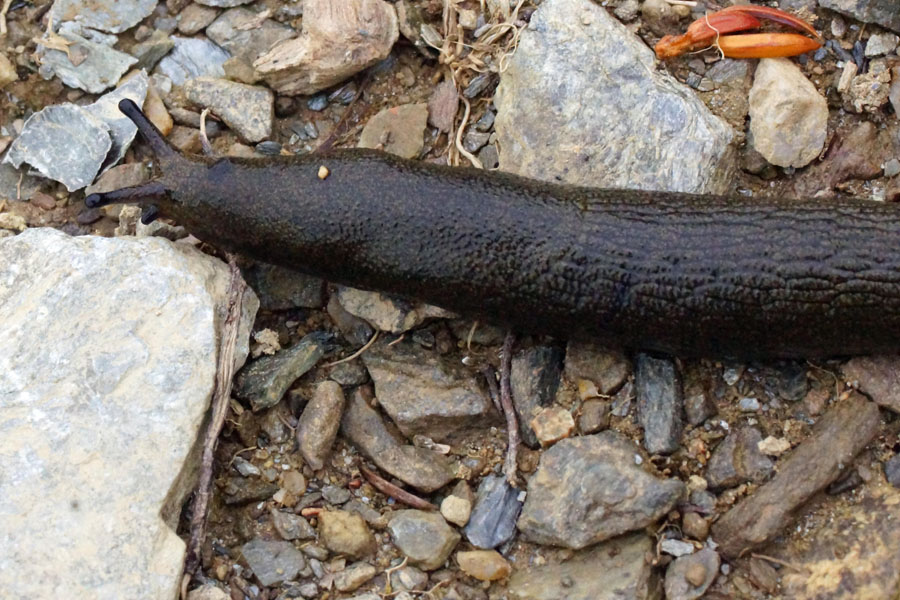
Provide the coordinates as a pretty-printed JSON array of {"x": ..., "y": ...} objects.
[{"x": 676, "y": 273}]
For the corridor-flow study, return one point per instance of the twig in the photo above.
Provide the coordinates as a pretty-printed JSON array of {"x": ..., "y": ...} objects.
[
  {"x": 388, "y": 588},
  {"x": 778, "y": 561},
  {"x": 386, "y": 487},
  {"x": 459, "y": 131},
  {"x": 204, "y": 141},
  {"x": 690, "y": 3},
  {"x": 338, "y": 130},
  {"x": 491, "y": 377},
  {"x": 357, "y": 353},
  {"x": 512, "y": 425},
  {"x": 221, "y": 394},
  {"x": 716, "y": 42},
  {"x": 3, "y": 11},
  {"x": 471, "y": 335}
]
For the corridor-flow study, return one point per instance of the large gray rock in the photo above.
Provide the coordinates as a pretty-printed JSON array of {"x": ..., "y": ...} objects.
[
  {"x": 340, "y": 38},
  {"x": 247, "y": 109},
  {"x": 108, "y": 365},
  {"x": 614, "y": 570},
  {"x": 192, "y": 57},
  {"x": 589, "y": 489},
  {"x": 564, "y": 114},
  {"x": 99, "y": 66},
  {"x": 114, "y": 16},
  {"x": 238, "y": 31},
  {"x": 423, "y": 392},
  {"x": 882, "y": 12},
  {"x": 72, "y": 144},
  {"x": 788, "y": 116}
]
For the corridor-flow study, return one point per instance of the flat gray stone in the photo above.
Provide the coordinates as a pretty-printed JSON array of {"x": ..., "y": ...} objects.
[
  {"x": 494, "y": 514},
  {"x": 247, "y": 109},
  {"x": 232, "y": 30},
  {"x": 109, "y": 367},
  {"x": 660, "y": 401},
  {"x": 737, "y": 459},
  {"x": 63, "y": 142},
  {"x": 589, "y": 489},
  {"x": 423, "y": 537},
  {"x": 192, "y": 57},
  {"x": 114, "y": 16},
  {"x": 121, "y": 129},
  {"x": 99, "y": 68},
  {"x": 273, "y": 562},
  {"x": 620, "y": 122},
  {"x": 419, "y": 467},
  {"x": 263, "y": 382},
  {"x": 149, "y": 52},
  {"x": 388, "y": 313},
  {"x": 425, "y": 393},
  {"x": 614, "y": 570},
  {"x": 534, "y": 379},
  {"x": 881, "y": 12},
  {"x": 72, "y": 144}
]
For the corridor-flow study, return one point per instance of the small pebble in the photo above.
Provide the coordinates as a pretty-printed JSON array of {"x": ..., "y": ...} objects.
[
  {"x": 552, "y": 424},
  {"x": 696, "y": 574},
  {"x": 748, "y": 404},
  {"x": 43, "y": 201},
  {"x": 892, "y": 167},
  {"x": 484, "y": 565},
  {"x": 892, "y": 470},
  {"x": 324, "y": 172},
  {"x": 695, "y": 526},
  {"x": 676, "y": 547},
  {"x": 317, "y": 102}
]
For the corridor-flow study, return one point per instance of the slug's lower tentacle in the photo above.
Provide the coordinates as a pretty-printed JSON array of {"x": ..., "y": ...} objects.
[
  {"x": 149, "y": 214},
  {"x": 147, "y": 192}
]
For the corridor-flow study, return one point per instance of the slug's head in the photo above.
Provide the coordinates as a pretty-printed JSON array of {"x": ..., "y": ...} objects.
[{"x": 157, "y": 196}]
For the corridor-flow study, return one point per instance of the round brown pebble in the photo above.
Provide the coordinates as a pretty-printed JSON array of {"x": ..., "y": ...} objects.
[
  {"x": 696, "y": 574},
  {"x": 695, "y": 526},
  {"x": 484, "y": 565}
]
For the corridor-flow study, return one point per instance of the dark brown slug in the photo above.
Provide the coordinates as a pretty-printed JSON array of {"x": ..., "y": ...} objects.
[{"x": 677, "y": 273}]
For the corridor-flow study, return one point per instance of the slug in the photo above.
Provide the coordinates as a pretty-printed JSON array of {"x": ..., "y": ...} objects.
[{"x": 681, "y": 274}]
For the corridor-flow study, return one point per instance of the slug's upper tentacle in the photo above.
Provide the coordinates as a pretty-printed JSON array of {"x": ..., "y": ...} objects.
[{"x": 154, "y": 138}]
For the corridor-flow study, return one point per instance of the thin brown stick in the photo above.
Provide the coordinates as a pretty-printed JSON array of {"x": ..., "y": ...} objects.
[
  {"x": 221, "y": 395},
  {"x": 778, "y": 561},
  {"x": 512, "y": 424},
  {"x": 493, "y": 391},
  {"x": 339, "y": 128},
  {"x": 357, "y": 353},
  {"x": 386, "y": 487}
]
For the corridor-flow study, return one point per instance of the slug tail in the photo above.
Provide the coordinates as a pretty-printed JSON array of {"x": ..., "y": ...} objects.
[
  {"x": 161, "y": 148},
  {"x": 147, "y": 192}
]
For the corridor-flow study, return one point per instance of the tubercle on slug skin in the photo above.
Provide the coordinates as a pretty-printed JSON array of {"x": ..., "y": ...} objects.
[{"x": 723, "y": 277}]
